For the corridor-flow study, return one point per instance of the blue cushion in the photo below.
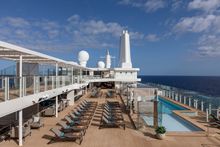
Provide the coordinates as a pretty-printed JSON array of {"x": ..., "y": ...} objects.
[{"x": 62, "y": 134}]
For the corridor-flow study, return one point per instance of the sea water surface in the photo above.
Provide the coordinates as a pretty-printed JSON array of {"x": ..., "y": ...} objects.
[{"x": 206, "y": 87}]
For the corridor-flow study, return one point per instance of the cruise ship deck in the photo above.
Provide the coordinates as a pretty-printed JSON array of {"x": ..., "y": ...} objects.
[{"x": 108, "y": 137}]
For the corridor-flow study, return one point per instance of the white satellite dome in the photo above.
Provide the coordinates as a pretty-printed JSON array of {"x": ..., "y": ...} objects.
[
  {"x": 101, "y": 64},
  {"x": 83, "y": 57}
]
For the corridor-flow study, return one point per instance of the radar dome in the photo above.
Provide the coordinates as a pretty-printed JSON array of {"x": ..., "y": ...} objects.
[
  {"x": 83, "y": 57},
  {"x": 101, "y": 64}
]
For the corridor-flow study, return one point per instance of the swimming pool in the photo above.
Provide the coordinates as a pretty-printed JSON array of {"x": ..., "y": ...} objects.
[{"x": 169, "y": 120}]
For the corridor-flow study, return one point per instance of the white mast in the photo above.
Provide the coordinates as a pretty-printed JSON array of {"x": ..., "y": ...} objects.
[
  {"x": 125, "y": 55},
  {"x": 108, "y": 60}
]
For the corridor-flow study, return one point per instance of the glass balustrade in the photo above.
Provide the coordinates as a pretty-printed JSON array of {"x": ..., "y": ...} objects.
[
  {"x": 10, "y": 87},
  {"x": 14, "y": 87}
]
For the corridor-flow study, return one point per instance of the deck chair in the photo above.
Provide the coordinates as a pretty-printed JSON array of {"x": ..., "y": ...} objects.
[
  {"x": 113, "y": 103},
  {"x": 36, "y": 122},
  {"x": 74, "y": 123},
  {"x": 111, "y": 123},
  {"x": 89, "y": 102},
  {"x": 84, "y": 111},
  {"x": 112, "y": 116},
  {"x": 119, "y": 115},
  {"x": 77, "y": 113},
  {"x": 67, "y": 128},
  {"x": 112, "y": 110},
  {"x": 87, "y": 107},
  {"x": 74, "y": 117},
  {"x": 61, "y": 136}
]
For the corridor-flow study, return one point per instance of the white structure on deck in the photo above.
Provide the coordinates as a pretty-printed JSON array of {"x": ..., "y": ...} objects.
[
  {"x": 108, "y": 60},
  {"x": 83, "y": 57},
  {"x": 101, "y": 64},
  {"x": 125, "y": 53}
]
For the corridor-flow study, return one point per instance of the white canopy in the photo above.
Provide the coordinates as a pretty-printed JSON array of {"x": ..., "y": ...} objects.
[{"x": 12, "y": 52}]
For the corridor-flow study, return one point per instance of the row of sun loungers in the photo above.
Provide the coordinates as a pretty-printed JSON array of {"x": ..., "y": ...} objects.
[
  {"x": 112, "y": 115},
  {"x": 75, "y": 124}
]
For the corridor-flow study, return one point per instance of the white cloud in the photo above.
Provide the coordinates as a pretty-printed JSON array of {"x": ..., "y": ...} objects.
[
  {"x": 96, "y": 33},
  {"x": 74, "y": 33},
  {"x": 51, "y": 28},
  {"x": 204, "y": 5},
  {"x": 209, "y": 45},
  {"x": 154, "y": 5},
  {"x": 195, "y": 24},
  {"x": 93, "y": 27},
  {"x": 152, "y": 37},
  {"x": 147, "y": 5},
  {"x": 206, "y": 23},
  {"x": 15, "y": 21},
  {"x": 176, "y": 4}
]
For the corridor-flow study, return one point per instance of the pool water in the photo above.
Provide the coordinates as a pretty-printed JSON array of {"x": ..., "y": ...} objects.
[{"x": 169, "y": 120}]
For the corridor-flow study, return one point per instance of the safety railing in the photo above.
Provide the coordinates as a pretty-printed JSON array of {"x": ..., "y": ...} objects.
[
  {"x": 194, "y": 100},
  {"x": 15, "y": 87}
]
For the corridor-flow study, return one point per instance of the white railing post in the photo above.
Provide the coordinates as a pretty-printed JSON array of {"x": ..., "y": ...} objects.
[
  {"x": 53, "y": 82},
  {"x": 180, "y": 98},
  {"x": 202, "y": 105},
  {"x": 56, "y": 107},
  {"x": 190, "y": 101},
  {"x": 176, "y": 97},
  {"x": 45, "y": 83},
  {"x": 6, "y": 80},
  {"x": 34, "y": 84},
  {"x": 184, "y": 99},
  {"x": 207, "y": 115},
  {"x": 72, "y": 75},
  {"x": 20, "y": 114},
  {"x": 196, "y": 105},
  {"x": 37, "y": 84},
  {"x": 24, "y": 90},
  {"x": 56, "y": 75}
]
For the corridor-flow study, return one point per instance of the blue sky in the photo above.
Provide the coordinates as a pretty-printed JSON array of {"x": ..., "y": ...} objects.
[{"x": 168, "y": 37}]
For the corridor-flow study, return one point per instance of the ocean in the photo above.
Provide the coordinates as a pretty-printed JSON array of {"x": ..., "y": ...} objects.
[
  {"x": 203, "y": 88},
  {"x": 207, "y": 85}
]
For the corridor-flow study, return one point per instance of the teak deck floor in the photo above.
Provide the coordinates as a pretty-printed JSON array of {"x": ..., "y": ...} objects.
[{"x": 110, "y": 137}]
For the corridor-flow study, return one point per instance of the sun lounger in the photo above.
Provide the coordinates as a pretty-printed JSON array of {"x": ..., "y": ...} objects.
[
  {"x": 77, "y": 113},
  {"x": 112, "y": 110},
  {"x": 74, "y": 117},
  {"x": 79, "y": 122},
  {"x": 61, "y": 136},
  {"x": 85, "y": 110},
  {"x": 111, "y": 123},
  {"x": 67, "y": 128},
  {"x": 112, "y": 117},
  {"x": 89, "y": 103},
  {"x": 87, "y": 106}
]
